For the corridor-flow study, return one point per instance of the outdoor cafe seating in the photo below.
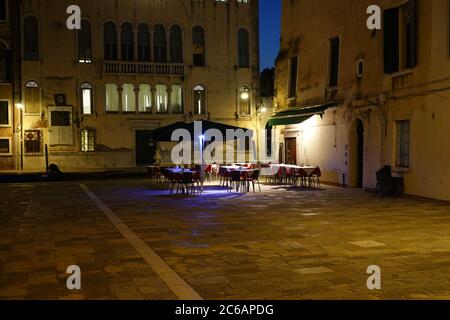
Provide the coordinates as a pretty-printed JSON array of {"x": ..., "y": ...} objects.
[{"x": 239, "y": 177}]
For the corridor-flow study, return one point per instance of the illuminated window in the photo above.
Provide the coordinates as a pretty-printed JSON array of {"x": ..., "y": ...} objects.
[
  {"x": 128, "y": 98},
  {"x": 161, "y": 98},
  {"x": 86, "y": 98},
  {"x": 112, "y": 98},
  {"x": 33, "y": 142},
  {"x": 176, "y": 99},
  {"x": 87, "y": 140},
  {"x": 85, "y": 43},
  {"x": 145, "y": 98},
  {"x": 244, "y": 101},
  {"x": 199, "y": 100}
]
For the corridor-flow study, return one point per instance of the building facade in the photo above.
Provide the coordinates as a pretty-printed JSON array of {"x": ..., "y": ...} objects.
[
  {"x": 9, "y": 84},
  {"x": 353, "y": 100},
  {"x": 93, "y": 96}
]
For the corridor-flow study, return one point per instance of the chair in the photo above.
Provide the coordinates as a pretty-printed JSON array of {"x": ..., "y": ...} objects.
[
  {"x": 150, "y": 174},
  {"x": 387, "y": 185},
  {"x": 254, "y": 179},
  {"x": 185, "y": 183},
  {"x": 315, "y": 178},
  {"x": 299, "y": 175},
  {"x": 197, "y": 183},
  {"x": 235, "y": 180}
]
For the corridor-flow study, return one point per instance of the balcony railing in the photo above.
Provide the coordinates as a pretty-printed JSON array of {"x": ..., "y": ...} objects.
[{"x": 144, "y": 68}]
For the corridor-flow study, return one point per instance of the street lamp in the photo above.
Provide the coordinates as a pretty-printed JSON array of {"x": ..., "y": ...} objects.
[{"x": 20, "y": 107}]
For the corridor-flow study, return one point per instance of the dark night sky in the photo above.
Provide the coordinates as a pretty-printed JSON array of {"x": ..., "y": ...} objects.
[{"x": 270, "y": 21}]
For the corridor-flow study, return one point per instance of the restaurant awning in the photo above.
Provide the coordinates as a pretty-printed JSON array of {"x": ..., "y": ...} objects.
[
  {"x": 164, "y": 134},
  {"x": 298, "y": 115}
]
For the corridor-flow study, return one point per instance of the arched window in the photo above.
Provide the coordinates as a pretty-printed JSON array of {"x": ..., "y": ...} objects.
[
  {"x": 243, "y": 49},
  {"x": 161, "y": 98},
  {"x": 31, "y": 38},
  {"x": 85, "y": 42},
  {"x": 5, "y": 63},
  {"x": 32, "y": 98},
  {"x": 110, "y": 41},
  {"x": 128, "y": 98},
  {"x": 112, "y": 98},
  {"x": 145, "y": 98},
  {"x": 159, "y": 43},
  {"x": 199, "y": 100},
  {"x": 87, "y": 98},
  {"x": 144, "y": 43},
  {"x": 176, "y": 44},
  {"x": 127, "y": 42},
  {"x": 198, "y": 42},
  {"x": 176, "y": 99},
  {"x": 244, "y": 101}
]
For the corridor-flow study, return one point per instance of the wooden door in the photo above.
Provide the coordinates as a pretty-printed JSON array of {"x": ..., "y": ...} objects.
[{"x": 291, "y": 150}]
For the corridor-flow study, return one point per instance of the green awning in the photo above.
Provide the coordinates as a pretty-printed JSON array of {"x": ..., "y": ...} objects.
[{"x": 298, "y": 115}]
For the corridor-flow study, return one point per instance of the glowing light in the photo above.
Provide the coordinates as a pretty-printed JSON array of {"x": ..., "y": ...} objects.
[
  {"x": 245, "y": 96},
  {"x": 19, "y": 106}
]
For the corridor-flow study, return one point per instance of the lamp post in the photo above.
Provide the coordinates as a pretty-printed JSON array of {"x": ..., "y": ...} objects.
[
  {"x": 202, "y": 171},
  {"x": 19, "y": 107}
]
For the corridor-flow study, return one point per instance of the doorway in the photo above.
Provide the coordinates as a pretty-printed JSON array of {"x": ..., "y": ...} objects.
[
  {"x": 145, "y": 147},
  {"x": 291, "y": 150}
]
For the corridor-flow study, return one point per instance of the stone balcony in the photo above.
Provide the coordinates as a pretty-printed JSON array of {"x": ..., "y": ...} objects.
[{"x": 144, "y": 68}]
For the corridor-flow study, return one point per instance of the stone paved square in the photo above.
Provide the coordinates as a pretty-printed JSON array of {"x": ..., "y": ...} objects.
[{"x": 278, "y": 244}]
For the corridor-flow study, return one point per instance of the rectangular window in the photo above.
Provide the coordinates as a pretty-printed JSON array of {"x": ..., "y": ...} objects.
[
  {"x": 5, "y": 66},
  {"x": 33, "y": 142},
  {"x": 87, "y": 100},
  {"x": 176, "y": 99},
  {"x": 3, "y": 10},
  {"x": 112, "y": 98},
  {"x": 87, "y": 140},
  {"x": 32, "y": 100},
  {"x": 60, "y": 118},
  {"x": 333, "y": 79},
  {"x": 403, "y": 136},
  {"x": 293, "y": 75},
  {"x": 145, "y": 98},
  {"x": 5, "y": 146},
  {"x": 400, "y": 37},
  {"x": 128, "y": 98},
  {"x": 161, "y": 98},
  {"x": 4, "y": 114}
]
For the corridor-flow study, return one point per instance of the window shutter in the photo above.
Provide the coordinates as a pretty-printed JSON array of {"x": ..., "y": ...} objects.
[
  {"x": 391, "y": 40},
  {"x": 411, "y": 38}
]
